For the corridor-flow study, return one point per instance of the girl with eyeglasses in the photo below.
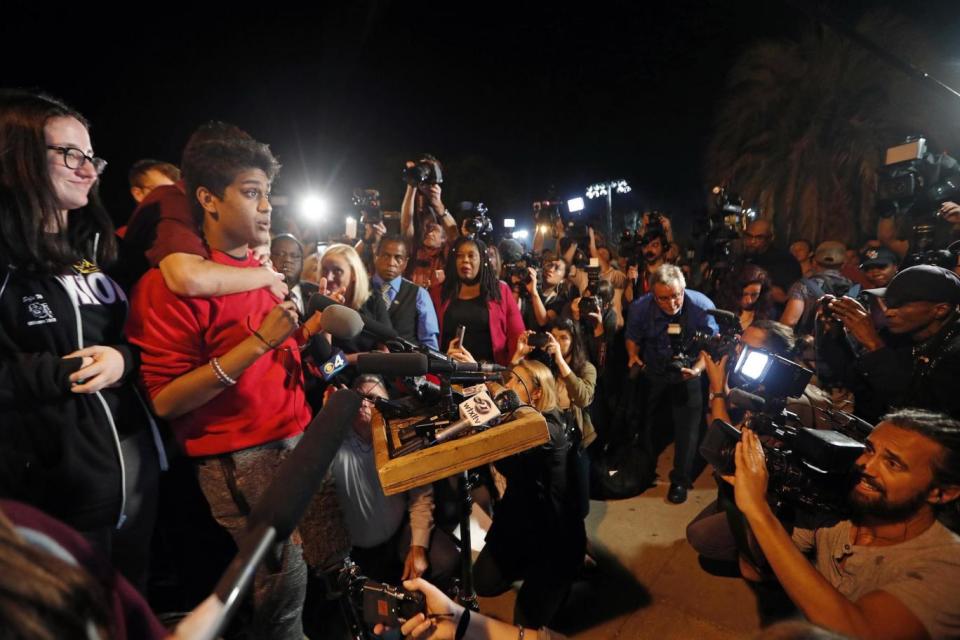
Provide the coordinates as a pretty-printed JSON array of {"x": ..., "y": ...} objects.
[
  {"x": 77, "y": 440},
  {"x": 537, "y": 533}
]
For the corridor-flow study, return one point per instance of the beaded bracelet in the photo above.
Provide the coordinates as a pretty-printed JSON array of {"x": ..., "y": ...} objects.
[{"x": 222, "y": 376}]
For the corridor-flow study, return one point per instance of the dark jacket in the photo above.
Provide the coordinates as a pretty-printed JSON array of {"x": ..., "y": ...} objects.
[
  {"x": 59, "y": 450},
  {"x": 922, "y": 376}
]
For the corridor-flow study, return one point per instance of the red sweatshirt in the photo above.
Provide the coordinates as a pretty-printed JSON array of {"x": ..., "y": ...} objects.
[{"x": 178, "y": 335}]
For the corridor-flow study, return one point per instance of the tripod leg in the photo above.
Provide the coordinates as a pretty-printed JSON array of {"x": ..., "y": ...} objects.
[{"x": 467, "y": 595}]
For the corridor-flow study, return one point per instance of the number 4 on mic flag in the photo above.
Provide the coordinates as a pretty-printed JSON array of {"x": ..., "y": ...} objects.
[
  {"x": 334, "y": 365},
  {"x": 480, "y": 409}
]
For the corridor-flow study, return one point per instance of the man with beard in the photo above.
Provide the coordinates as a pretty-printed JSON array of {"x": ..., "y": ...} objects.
[
  {"x": 286, "y": 254},
  {"x": 653, "y": 246},
  {"x": 890, "y": 571}
]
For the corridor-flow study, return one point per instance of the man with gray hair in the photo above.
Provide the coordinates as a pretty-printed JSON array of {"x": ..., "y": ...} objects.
[{"x": 659, "y": 326}]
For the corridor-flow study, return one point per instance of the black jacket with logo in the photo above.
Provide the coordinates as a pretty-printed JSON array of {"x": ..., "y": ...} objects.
[{"x": 59, "y": 450}]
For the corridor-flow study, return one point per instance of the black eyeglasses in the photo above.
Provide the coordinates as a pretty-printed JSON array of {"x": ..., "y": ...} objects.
[{"x": 73, "y": 158}]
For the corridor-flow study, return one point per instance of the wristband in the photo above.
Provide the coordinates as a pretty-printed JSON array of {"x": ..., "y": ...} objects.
[
  {"x": 717, "y": 394},
  {"x": 462, "y": 625},
  {"x": 263, "y": 340}
]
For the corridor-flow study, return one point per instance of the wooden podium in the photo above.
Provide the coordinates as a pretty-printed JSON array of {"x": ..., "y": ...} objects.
[{"x": 528, "y": 429}]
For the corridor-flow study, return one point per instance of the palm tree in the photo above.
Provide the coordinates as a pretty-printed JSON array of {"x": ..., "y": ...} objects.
[{"x": 802, "y": 129}]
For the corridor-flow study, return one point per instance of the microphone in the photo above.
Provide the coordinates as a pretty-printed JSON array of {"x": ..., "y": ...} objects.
[
  {"x": 373, "y": 328},
  {"x": 724, "y": 316},
  {"x": 282, "y": 505},
  {"x": 341, "y": 322},
  {"x": 418, "y": 364},
  {"x": 507, "y": 400}
]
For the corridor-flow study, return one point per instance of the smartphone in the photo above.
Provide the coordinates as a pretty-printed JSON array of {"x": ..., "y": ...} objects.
[{"x": 460, "y": 331}]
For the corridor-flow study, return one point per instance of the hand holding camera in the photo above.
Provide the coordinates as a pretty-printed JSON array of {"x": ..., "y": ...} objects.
[{"x": 855, "y": 318}]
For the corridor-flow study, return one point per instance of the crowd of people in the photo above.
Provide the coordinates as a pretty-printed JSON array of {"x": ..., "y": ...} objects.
[{"x": 184, "y": 352}]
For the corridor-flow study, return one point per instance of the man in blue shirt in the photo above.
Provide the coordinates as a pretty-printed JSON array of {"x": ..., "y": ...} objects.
[
  {"x": 658, "y": 326},
  {"x": 411, "y": 310}
]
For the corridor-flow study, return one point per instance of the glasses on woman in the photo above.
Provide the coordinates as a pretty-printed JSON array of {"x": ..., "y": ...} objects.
[{"x": 73, "y": 158}]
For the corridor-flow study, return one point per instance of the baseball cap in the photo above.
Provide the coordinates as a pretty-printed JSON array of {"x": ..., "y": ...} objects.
[
  {"x": 830, "y": 253},
  {"x": 921, "y": 283},
  {"x": 877, "y": 257}
]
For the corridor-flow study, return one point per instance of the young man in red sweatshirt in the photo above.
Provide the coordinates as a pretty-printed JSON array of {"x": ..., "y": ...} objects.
[{"x": 226, "y": 373}]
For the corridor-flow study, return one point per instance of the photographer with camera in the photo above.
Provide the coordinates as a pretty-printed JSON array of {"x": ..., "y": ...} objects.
[
  {"x": 653, "y": 249},
  {"x": 425, "y": 223},
  {"x": 879, "y": 265},
  {"x": 891, "y": 570},
  {"x": 915, "y": 361},
  {"x": 657, "y": 327},
  {"x": 608, "y": 272},
  {"x": 801, "y": 309}
]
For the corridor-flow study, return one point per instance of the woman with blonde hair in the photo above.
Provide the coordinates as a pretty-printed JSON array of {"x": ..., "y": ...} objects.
[
  {"x": 344, "y": 279},
  {"x": 537, "y": 534}
]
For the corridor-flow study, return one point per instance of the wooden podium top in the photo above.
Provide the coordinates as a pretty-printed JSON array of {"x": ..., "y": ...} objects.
[{"x": 528, "y": 429}]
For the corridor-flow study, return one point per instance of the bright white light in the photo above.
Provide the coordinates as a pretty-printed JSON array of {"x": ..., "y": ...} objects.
[
  {"x": 544, "y": 229},
  {"x": 622, "y": 186},
  {"x": 575, "y": 205},
  {"x": 520, "y": 234},
  {"x": 597, "y": 190},
  {"x": 754, "y": 365},
  {"x": 509, "y": 223},
  {"x": 313, "y": 207}
]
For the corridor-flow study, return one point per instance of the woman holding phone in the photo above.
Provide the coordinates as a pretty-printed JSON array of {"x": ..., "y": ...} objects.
[{"x": 471, "y": 295}]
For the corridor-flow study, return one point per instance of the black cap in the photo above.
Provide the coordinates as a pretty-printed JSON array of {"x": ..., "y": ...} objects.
[
  {"x": 922, "y": 283},
  {"x": 877, "y": 257}
]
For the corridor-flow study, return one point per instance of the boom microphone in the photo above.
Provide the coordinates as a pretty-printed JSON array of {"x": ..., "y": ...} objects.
[
  {"x": 418, "y": 364},
  {"x": 282, "y": 505}
]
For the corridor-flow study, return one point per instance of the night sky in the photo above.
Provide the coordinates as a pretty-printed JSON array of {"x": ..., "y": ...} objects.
[{"x": 512, "y": 97}]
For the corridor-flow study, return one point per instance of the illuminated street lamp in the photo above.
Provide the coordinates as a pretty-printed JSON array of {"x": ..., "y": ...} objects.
[{"x": 605, "y": 190}]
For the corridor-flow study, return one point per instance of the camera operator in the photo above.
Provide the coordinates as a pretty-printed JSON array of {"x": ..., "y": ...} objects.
[
  {"x": 801, "y": 309},
  {"x": 653, "y": 248},
  {"x": 759, "y": 249},
  {"x": 657, "y": 324},
  {"x": 608, "y": 271},
  {"x": 891, "y": 570},
  {"x": 945, "y": 231},
  {"x": 916, "y": 360},
  {"x": 425, "y": 223},
  {"x": 709, "y": 533}
]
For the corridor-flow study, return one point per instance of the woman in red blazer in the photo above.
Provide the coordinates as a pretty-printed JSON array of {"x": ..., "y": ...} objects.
[{"x": 471, "y": 295}]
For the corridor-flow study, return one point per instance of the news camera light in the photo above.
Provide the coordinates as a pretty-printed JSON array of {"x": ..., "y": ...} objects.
[
  {"x": 520, "y": 234},
  {"x": 753, "y": 365},
  {"x": 509, "y": 223},
  {"x": 575, "y": 205},
  {"x": 313, "y": 207}
]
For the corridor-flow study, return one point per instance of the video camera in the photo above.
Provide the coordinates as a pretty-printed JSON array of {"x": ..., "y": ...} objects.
[
  {"x": 686, "y": 348},
  {"x": 476, "y": 223},
  {"x": 376, "y": 602},
  {"x": 547, "y": 212},
  {"x": 726, "y": 219},
  {"x": 518, "y": 269},
  {"x": 812, "y": 468},
  {"x": 915, "y": 182},
  {"x": 366, "y": 203},
  {"x": 424, "y": 172}
]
